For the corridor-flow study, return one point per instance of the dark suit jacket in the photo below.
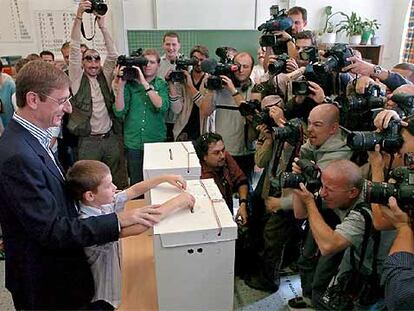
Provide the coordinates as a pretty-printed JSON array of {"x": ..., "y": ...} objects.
[{"x": 46, "y": 267}]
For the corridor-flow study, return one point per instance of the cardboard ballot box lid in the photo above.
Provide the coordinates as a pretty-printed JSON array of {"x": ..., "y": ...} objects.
[
  {"x": 178, "y": 155},
  {"x": 210, "y": 221}
]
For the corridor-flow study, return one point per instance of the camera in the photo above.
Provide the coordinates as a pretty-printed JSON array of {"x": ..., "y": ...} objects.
[
  {"x": 300, "y": 88},
  {"x": 389, "y": 139},
  {"x": 405, "y": 104},
  {"x": 279, "y": 21},
  {"x": 310, "y": 176},
  {"x": 181, "y": 64},
  {"x": 98, "y": 6},
  {"x": 279, "y": 65},
  {"x": 402, "y": 190},
  {"x": 335, "y": 59},
  {"x": 129, "y": 72},
  {"x": 291, "y": 132},
  {"x": 309, "y": 54},
  {"x": 259, "y": 116},
  {"x": 224, "y": 67}
]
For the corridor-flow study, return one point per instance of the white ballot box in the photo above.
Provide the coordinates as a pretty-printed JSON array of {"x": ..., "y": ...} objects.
[
  {"x": 171, "y": 158},
  {"x": 194, "y": 251}
]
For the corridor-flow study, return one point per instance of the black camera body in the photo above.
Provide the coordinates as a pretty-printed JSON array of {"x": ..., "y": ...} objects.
[
  {"x": 300, "y": 88},
  {"x": 181, "y": 64},
  {"x": 402, "y": 190},
  {"x": 309, "y": 54},
  {"x": 390, "y": 139},
  {"x": 259, "y": 116},
  {"x": 405, "y": 104},
  {"x": 129, "y": 72},
  {"x": 98, "y": 6},
  {"x": 280, "y": 21},
  {"x": 336, "y": 59},
  {"x": 291, "y": 132},
  {"x": 279, "y": 65},
  {"x": 310, "y": 177}
]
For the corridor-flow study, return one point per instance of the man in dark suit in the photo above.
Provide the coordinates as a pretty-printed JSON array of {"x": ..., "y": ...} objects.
[{"x": 46, "y": 267}]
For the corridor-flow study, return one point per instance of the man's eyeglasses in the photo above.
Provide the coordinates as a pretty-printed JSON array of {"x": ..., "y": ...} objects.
[
  {"x": 90, "y": 58},
  {"x": 60, "y": 102}
]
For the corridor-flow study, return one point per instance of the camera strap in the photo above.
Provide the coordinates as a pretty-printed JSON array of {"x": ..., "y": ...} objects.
[{"x": 94, "y": 30}]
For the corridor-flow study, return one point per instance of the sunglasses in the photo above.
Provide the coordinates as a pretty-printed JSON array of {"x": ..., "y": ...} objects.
[{"x": 90, "y": 58}]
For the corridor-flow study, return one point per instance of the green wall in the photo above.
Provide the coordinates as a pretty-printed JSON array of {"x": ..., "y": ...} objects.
[{"x": 242, "y": 40}]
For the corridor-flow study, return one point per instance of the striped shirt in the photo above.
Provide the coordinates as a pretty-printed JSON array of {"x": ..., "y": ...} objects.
[{"x": 43, "y": 136}]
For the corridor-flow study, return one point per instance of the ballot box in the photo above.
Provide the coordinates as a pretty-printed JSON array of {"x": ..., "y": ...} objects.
[
  {"x": 171, "y": 158},
  {"x": 194, "y": 250}
]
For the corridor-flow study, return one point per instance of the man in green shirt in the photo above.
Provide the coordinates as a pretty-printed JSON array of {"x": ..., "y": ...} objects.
[{"x": 141, "y": 104}]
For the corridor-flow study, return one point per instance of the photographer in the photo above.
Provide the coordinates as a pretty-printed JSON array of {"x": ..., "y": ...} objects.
[
  {"x": 92, "y": 118},
  {"x": 229, "y": 122},
  {"x": 185, "y": 98},
  {"x": 342, "y": 184},
  {"x": 142, "y": 104}
]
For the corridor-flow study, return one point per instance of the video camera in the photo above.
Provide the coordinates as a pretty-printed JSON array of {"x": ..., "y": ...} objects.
[
  {"x": 224, "y": 67},
  {"x": 136, "y": 59},
  {"x": 98, "y": 6},
  {"x": 310, "y": 176},
  {"x": 402, "y": 190},
  {"x": 279, "y": 22},
  {"x": 181, "y": 64},
  {"x": 405, "y": 104},
  {"x": 390, "y": 139}
]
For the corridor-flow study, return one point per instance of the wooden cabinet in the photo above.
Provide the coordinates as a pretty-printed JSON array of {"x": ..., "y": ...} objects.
[{"x": 370, "y": 53}]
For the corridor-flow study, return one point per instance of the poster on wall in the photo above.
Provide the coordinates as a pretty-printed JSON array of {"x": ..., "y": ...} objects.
[{"x": 15, "y": 25}]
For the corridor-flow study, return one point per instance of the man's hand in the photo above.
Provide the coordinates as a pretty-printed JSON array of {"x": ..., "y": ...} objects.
[
  {"x": 176, "y": 180},
  {"x": 291, "y": 65},
  {"x": 306, "y": 197},
  {"x": 317, "y": 93},
  {"x": 283, "y": 36},
  {"x": 186, "y": 201},
  {"x": 242, "y": 215},
  {"x": 83, "y": 6},
  {"x": 296, "y": 168},
  {"x": 118, "y": 82},
  {"x": 100, "y": 20},
  {"x": 265, "y": 132},
  {"x": 277, "y": 114},
  {"x": 383, "y": 118},
  {"x": 188, "y": 80},
  {"x": 375, "y": 159},
  {"x": 394, "y": 214},
  {"x": 359, "y": 66},
  {"x": 141, "y": 78},
  {"x": 147, "y": 216},
  {"x": 228, "y": 84}
]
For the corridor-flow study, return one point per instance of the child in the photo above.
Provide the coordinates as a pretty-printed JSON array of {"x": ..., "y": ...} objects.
[{"x": 90, "y": 182}]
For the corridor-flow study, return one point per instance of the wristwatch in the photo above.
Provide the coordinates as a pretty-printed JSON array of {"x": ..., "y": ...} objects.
[
  {"x": 377, "y": 70},
  {"x": 150, "y": 88}
]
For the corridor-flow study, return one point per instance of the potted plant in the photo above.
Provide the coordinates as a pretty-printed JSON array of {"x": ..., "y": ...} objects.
[
  {"x": 369, "y": 30},
  {"x": 328, "y": 34},
  {"x": 353, "y": 26}
]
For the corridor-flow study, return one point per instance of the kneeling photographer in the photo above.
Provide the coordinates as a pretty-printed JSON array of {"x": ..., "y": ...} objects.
[{"x": 357, "y": 283}]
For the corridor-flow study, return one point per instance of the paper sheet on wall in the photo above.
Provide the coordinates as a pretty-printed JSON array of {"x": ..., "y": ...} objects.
[{"x": 15, "y": 23}]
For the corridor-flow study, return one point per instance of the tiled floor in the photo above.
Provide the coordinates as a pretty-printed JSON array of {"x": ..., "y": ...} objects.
[{"x": 245, "y": 298}]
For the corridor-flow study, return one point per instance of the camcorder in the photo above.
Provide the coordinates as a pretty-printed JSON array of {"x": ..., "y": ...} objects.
[
  {"x": 98, "y": 6},
  {"x": 136, "y": 59},
  {"x": 279, "y": 22},
  {"x": 358, "y": 111},
  {"x": 216, "y": 69},
  {"x": 279, "y": 65},
  {"x": 252, "y": 108},
  {"x": 310, "y": 176},
  {"x": 402, "y": 190},
  {"x": 405, "y": 104},
  {"x": 181, "y": 64},
  {"x": 390, "y": 139}
]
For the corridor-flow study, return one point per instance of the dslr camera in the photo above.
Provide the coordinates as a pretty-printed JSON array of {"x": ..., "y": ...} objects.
[
  {"x": 310, "y": 177},
  {"x": 291, "y": 132},
  {"x": 402, "y": 190},
  {"x": 300, "y": 88},
  {"x": 389, "y": 139},
  {"x": 279, "y": 65},
  {"x": 98, "y": 6},
  {"x": 259, "y": 116},
  {"x": 181, "y": 64},
  {"x": 335, "y": 59},
  {"x": 405, "y": 104},
  {"x": 137, "y": 60}
]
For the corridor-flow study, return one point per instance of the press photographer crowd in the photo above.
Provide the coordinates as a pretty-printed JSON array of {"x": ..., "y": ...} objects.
[{"x": 332, "y": 135}]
